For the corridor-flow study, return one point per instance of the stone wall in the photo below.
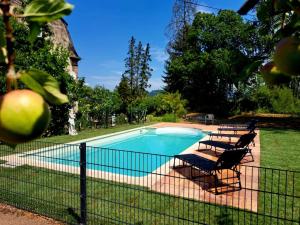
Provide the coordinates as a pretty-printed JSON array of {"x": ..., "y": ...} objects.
[{"x": 61, "y": 36}]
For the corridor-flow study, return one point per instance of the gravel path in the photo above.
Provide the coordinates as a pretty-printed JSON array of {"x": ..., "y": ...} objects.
[{"x": 12, "y": 216}]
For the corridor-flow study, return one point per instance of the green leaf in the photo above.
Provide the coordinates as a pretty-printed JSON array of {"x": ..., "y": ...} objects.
[
  {"x": 44, "y": 84},
  {"x": 44, "y": 11},
  {"x": 35, "y": 30},
  {"x": 250, "y": 69}
]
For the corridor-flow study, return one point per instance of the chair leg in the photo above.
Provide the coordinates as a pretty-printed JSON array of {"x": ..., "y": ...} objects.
[
  {"x": 239, "y": 178},
  {"x": 216, "y": 183},
  {"x": 250, "y": 152}
]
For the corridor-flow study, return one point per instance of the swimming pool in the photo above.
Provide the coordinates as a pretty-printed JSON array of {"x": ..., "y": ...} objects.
[{"x": 134, "y": 153}]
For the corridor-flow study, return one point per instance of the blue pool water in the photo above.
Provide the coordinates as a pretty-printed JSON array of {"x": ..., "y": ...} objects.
[{"x": 134, "y": 154}]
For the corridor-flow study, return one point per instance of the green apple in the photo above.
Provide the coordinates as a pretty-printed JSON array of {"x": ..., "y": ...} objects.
[
  {"x": 287, "y": 56},
  {"x": 273, "y": 76},
  {"x": 24, "y": 116}
]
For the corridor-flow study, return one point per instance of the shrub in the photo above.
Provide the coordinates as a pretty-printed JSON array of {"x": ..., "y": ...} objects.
[
  {"x": 283, "y": 101},
  {"x": 276, "y": 100},
  {"x": 121, "y": 119},
  {"x": 152, "y": 118},
  {"x": 169, "y": 118}
]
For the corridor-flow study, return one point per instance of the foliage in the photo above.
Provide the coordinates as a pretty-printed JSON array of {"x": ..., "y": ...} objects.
[
  {"x": 279, "y": 20},
  {"x": 182, "y": 16},
  {"x": 206, "y": 72},
  {"x": 121, "y": 119},
  {"x": 134, "y": 81},
  {"x": 96, "y": 105},
  {"x": 31, "y": 58},
  {"x": 164, "y": 103},
  {"x": 276, "y": 100},
  {"x": 169, "y": 118},
  {"x": 42, "y": 55},
  {"x": 173, "y": 103}
]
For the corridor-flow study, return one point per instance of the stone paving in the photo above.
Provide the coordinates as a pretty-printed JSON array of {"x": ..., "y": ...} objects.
[{"x": 178, "y": 183}]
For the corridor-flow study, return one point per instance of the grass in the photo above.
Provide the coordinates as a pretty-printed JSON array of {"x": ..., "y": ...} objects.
[
  {"x": 90, "y": 133},
  {"x": 56, "y": 194},
  {"x": 280, "y": 148}
]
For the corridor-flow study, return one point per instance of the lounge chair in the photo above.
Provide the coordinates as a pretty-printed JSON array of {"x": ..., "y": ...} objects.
[
  {"x": 238, "y": 125},
  {"x": 243, "y": 142},
  {"x": 251, "y": 125},
  {"x": 230, "y": 136},
  {"x": 229, "y": 160}
]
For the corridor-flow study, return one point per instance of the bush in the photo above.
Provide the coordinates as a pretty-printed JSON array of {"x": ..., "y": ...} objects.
[
  {"x": 121, "y": 119},
  {"x": 169, "y": 118},
  {"x": 151, "y": 118},
  {"x": 283, "y": 101},
  {"x": 276, "y": 100}
]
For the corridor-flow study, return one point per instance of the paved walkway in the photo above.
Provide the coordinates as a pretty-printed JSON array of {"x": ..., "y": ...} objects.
[
  {"x": 179, "y": 184},
  {"x": 12, "y": 216}
]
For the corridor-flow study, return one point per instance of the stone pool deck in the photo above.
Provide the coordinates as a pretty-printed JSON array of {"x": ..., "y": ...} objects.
[{"x": 178, "y": 183}]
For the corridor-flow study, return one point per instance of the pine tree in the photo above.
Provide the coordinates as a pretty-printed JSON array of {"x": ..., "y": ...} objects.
[
  {"x": 139, "y": 55},
  {"x": 135, "y": 79},
  {"x": 124, "y": 92},
  {"x": 130, "y": 65},
  {"x": 146, "y": 71},
  {"x": 183, "y": 15}
]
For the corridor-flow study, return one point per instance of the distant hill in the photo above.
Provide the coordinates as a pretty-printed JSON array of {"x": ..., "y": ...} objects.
[{"x": 155, "y": 92}]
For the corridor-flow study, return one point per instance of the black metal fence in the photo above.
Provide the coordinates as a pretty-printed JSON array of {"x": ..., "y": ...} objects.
[{"x": 89, "y": 185}]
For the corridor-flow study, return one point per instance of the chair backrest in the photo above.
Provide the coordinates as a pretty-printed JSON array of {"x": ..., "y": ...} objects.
[
  {"x": 245, "y": 140},
  {"x": 252, "y": 124},
  {"x": 210, "y": 116},
  {"x": 230, "y": 158}
]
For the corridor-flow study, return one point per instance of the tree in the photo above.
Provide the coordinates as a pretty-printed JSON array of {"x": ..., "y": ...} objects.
[
  {"x": 124, "y": 92},
  {"x": 130, "y": 65},
  {"x": 219, "y": 47},
  {"x": 135, "y": 79},
  {"x": 183, "y": 15},
  {"x": 97, "y": 105},
  {"x": 145, "y": 71}
]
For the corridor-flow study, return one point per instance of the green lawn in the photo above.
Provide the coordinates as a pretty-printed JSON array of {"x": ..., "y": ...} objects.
[
  {"x": 90, "y": 133},
  {"x": 280, "y": 149},
  {"x": 40, "y": 190}
]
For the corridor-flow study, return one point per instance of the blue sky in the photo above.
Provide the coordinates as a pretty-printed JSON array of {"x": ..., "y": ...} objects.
[{"x": 101, "y": 31}]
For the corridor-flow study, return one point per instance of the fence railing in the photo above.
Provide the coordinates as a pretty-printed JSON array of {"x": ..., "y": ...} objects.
[{"x": 93, "y": 185}]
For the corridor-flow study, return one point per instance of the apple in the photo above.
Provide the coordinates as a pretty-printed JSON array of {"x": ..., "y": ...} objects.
[
  {"x": 24, "y": 116},
  {"x": 273, "y": 76},
  {"x": 287, "y": 56}
]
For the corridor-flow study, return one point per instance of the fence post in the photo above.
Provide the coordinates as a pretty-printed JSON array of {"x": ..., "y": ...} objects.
[{"x": 83, "y": 208}]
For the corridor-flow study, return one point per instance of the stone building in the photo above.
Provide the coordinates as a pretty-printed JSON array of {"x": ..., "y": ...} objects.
[{"x": 61, "y": 36}]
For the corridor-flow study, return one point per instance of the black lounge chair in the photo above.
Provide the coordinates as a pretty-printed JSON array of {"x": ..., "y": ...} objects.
[
  {"x": 230, "y": 136},
  {"x": 238, "y": 125},
  {"x": 243, "y": 142},
  {"x": 229, "y": 160},
  {"x": 251, "y": 126}
]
